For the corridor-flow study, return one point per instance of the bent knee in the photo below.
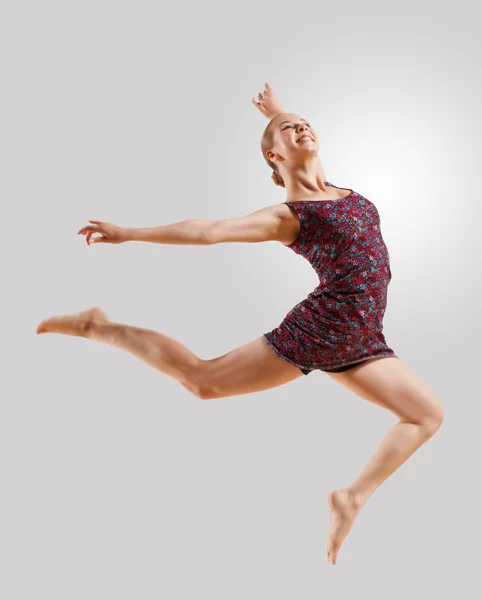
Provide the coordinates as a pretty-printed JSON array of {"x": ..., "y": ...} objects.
[
  {"x": 202, "y": 381},
  {"x": 204, "y": 392},
  {"x": 431, "y": 422},
  {"x": 201, "y": 389}
]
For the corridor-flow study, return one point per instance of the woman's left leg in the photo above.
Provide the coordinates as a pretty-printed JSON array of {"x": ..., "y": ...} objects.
[{"x": 389, "y": 383}]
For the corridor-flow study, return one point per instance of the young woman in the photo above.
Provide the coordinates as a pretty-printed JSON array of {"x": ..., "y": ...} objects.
[{"x": 336, "y": 329}]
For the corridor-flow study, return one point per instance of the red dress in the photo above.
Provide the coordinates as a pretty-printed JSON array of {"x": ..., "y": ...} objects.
[{"x": 340, "y": 323}]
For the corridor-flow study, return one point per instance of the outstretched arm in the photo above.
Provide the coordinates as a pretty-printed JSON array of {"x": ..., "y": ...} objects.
[{"x": 263, "y": 225}]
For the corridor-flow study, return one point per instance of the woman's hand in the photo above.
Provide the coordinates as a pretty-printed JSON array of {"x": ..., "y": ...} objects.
[
  {"x": 110, "y": 234},
  {"x": 268, "y": 104}
]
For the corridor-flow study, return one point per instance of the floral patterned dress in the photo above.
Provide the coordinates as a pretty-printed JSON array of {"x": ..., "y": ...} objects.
[{"x": 340, "y": 323}]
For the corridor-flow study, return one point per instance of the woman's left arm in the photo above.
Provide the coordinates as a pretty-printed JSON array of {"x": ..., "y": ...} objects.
[{"x": 268, "y": 104}]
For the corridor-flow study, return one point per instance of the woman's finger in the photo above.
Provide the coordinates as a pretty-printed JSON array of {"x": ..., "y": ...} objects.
[
  {"x": 97, "y": 222},
  {"x": 94, "y": 240},
  {"x": 90, "y": 229},
  {"x": 87, "y": 228},
  {"x": 258, "y": 106}
]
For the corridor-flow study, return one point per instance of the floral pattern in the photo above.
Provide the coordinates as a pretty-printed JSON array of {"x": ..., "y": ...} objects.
[{"x": 340, "y": 323}]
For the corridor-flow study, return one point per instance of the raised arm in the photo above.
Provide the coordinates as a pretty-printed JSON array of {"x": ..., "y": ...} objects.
[{"x": 267, "y": 103}]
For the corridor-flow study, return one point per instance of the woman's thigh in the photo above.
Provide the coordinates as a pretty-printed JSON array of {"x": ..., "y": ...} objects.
[
  {"x": 389, "y": 383},
  {"x": 250, "y": 368}
]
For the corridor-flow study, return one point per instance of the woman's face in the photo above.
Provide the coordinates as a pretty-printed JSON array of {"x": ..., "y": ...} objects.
[{"x": 293, "y": 137}]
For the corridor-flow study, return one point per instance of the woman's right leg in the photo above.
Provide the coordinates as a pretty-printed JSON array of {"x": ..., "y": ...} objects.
[{"x": 250, "y": 368}]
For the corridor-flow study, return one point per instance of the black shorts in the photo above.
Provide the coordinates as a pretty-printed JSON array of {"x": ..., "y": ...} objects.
[{"x": 335, "y": 370}]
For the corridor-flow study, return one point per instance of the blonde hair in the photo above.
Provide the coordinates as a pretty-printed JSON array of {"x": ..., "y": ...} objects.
[{"x": 267, "y": 144}]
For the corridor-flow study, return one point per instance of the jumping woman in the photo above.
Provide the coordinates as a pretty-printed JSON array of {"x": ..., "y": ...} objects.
[{"x": 336, "y": 329}]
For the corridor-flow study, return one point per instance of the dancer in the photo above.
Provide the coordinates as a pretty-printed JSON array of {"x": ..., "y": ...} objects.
[{"x": 337, "y": 329}]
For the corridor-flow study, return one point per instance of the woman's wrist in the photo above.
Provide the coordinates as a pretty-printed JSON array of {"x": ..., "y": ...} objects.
[{"x": 274, "y": 113}]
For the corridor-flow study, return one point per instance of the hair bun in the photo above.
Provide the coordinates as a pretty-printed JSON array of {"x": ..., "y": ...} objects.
[{"x": 277, "y": 179}]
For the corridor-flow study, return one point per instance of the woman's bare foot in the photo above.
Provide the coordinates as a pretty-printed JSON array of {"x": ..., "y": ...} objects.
[
  {"x": 77, "y": 324},
  {"x": 344, "y": 509}
]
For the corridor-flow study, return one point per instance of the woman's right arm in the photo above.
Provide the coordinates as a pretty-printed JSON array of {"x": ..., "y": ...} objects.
[{"x": 272, "y": 223}]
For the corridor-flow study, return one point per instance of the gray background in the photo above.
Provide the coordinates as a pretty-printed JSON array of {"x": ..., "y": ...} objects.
[{"x": 116, "y": 481}]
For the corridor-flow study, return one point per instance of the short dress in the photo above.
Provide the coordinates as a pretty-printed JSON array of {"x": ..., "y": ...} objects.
[{"x": 340, "y": 323}]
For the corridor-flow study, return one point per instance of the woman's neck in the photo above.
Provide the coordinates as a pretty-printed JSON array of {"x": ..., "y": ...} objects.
[{"x": 307, "y": 184}]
